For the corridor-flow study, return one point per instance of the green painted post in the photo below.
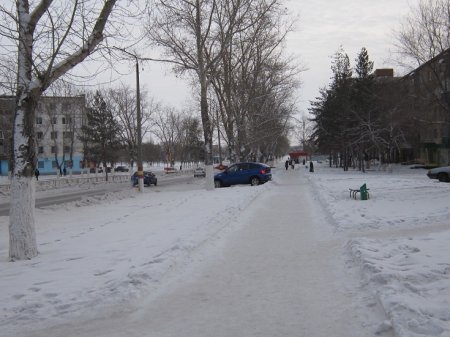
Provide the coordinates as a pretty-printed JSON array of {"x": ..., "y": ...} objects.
[{"x": 363, "y": 192}]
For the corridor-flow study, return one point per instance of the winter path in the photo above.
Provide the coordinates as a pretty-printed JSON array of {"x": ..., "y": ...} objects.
[{"x": 281, "y": 271}]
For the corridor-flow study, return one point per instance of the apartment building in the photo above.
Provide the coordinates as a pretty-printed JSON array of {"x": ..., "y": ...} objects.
[
  {"x": 58, "y": 128},
  {"x": 429, "y": 103},
  {"x": 7, "y": 104}
]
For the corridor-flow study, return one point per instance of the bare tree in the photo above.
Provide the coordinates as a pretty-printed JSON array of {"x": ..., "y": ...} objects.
[
  {"x": 188, "y": 31},
  {"x": 49, "y": 39},
  {"x": 254, "y": 82},
  {"x": 167, "y": 127},
  {"x": 424, "y": 33},
  {"x": 123, "y": 103},
  {"x": 7, "y": 75}
]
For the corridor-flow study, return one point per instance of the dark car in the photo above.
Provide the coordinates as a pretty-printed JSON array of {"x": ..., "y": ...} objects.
[
  {"x": 121, "y": 169},
  {"x": 149, "y": 178},
  {"x": 440, "y": 173},
  {"x": 243, "y": 173},
  {"x": 96, "y": 170}
]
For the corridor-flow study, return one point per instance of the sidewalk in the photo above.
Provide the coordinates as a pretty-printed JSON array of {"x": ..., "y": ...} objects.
[
  {"x": 283, "y": 273},
  {"x": 278, "y": 276}
]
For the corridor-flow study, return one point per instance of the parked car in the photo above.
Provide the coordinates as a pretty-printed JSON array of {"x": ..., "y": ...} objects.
[
  {"x": 221, "y": 167},
  {"x": 121, "y": 169},
  {"x": 93, "y": 170},
  {"x": 243, "y": 173},
  {"x": 199, "y": 172},
  {"x": 440, "y": 173},
  {"x": 149, "y": 178}
]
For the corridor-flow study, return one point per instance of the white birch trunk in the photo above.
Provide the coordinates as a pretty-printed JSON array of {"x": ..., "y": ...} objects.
[
  {"x": 209, "y": 178},
  {"x": 22, "y": 234}
]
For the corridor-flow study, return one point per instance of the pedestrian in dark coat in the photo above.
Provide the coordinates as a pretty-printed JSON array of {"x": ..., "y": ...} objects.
[
  {"x": 286, "y": 164},
  {"x": 36, "y": 174},
  {"x": 311, "y": 166}
]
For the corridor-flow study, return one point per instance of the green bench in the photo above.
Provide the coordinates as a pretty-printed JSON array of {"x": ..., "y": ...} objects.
[{"x": 364, "y": 196}]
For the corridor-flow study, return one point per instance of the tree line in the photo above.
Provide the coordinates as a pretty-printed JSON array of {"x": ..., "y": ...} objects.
[
  {"x": 358, "y": 116},
  {"x": 109, "y": 133}
]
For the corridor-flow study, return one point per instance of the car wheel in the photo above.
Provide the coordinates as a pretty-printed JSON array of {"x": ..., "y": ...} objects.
[
  {"x": 443, "y": 177},
  {"x": 254, "y": 181},
  {"x": 217, "y": 183}
]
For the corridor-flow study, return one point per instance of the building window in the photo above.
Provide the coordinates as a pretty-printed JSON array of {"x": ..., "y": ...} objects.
[
  {"x": 54, "y": 135},
  {"x": 54, "y": 120},
  {"x": 2, "y": 150},
  {"x": 38, "y": 120},
  {"x": 40, "y": 164},
  {"x": 53, "y": 149},
  {"x": 67, "y": 134},
  {"x": 40, "y": 149},
  {"x": 39, "y": 135},
  {"x": 66, "y": 107}
]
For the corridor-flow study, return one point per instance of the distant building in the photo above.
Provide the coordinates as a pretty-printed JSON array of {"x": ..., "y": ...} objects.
[
  {"x": 7, "y": 104},
  {"x": 58, "y": 124},
  {"x": 388, "y": 72},
  {"x": 429, "y": 101}
]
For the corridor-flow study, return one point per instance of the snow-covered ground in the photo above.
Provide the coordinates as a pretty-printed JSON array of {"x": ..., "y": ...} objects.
[
  {"x": 99, "y": 254},
  {"x": 400, "y": 240}
]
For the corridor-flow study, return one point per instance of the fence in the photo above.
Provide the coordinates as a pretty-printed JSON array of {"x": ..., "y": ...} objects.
[{"x": 61, "y": 182}]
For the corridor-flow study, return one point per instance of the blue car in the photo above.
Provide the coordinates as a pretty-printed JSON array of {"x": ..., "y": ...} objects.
[
  {"x": 149, "y": 178},
  {"x": 243, "y": 173}
]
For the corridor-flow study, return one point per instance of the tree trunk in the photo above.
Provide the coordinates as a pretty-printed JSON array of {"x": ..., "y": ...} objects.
[
  {"x": 207, "y": 133},
  {"x": 206, "y": 120},
  {"x": 22, "y": 234}
]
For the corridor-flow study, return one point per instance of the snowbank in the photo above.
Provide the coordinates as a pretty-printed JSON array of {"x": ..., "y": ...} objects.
[
  {"x": 113, "y": 249},
  {"x": 400, "y": 239}
]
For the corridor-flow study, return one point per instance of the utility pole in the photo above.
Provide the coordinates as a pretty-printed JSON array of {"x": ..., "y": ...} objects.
[{"x": 140, "y": 167}]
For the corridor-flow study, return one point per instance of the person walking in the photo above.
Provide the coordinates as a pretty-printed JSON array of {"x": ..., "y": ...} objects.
[
  {"x": 286, "y": 164},
  {"x": 311, "y": 166},
  {"x": 36, "y": 173}
]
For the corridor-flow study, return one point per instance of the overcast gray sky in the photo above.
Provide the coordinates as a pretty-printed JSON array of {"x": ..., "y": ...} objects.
[
  {"x": 326, "y": 24},
  {"x": 323, "y": 26}
]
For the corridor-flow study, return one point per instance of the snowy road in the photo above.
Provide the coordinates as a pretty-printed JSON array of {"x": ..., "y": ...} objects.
[{"x": 281, "y": 272}]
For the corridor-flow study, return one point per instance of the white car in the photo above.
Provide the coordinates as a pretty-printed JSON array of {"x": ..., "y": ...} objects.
[
  {"x": 199, "y": 172},
  {"x": 440, "y": 173}
]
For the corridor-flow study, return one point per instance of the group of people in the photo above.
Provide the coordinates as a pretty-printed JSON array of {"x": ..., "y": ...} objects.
[
  {"x": 64, "y": 171},
  {"x": 290, "y": 163}
]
